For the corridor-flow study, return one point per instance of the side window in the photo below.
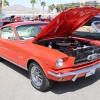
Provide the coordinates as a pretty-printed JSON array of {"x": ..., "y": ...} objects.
[{"x": 8, "y": 33}]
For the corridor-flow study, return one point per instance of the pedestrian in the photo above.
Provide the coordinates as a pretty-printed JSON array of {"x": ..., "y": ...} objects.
[{"x": 24, "y": 18}]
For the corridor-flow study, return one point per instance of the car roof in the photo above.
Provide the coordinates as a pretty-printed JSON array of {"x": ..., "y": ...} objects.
[{"x": 24, "y": 23}]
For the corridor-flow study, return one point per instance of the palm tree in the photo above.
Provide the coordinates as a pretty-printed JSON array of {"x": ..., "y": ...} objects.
[
  {"x": 0, "y": 6},
  {"x": 69, "y": 6},
  {"x": 82, "y": 5},
  {"x": 52, "y": 7},
  {"x": 61, "y": 7},
  {"x": 97, "y": 6},
  {"x": 73, "y": 5},
  {"x": 33, "y": 2},
  {"x": 43, "y": 4},
  {"x": 5, "y": 3}
]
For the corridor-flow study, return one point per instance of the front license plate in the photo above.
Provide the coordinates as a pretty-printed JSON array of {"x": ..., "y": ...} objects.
[{"x": 91, "y": 72}]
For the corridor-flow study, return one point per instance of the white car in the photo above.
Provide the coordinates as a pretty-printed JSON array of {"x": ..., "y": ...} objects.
[{"x": 90, "y": 32}]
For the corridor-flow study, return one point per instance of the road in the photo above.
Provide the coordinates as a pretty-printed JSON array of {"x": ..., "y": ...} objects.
[{"x": 15, "y": 85}]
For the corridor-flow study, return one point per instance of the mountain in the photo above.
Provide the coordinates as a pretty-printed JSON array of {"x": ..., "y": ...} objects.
[{"x": 17, "y": 7}]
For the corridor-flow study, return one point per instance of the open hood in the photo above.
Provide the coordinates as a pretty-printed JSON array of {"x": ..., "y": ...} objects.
[{"x": 67, "y": 22}]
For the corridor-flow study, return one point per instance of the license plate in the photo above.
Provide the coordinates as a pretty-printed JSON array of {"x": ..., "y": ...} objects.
[{"x": 91, "y": 72}]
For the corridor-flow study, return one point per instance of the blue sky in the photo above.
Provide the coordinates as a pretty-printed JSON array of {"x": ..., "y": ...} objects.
[{"x": 48, "y": 2}]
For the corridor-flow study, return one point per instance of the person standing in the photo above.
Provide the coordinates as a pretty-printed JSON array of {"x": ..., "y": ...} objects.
[{"x": 24, "y": 18}]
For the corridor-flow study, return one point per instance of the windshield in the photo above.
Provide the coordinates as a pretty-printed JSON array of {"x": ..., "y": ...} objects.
[{"x": 29, "y": 31}]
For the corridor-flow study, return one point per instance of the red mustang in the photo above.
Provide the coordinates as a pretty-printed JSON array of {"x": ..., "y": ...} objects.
[{"x": 48, "y": 51}]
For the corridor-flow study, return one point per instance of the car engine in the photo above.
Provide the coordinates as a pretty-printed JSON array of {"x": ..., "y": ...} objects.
[{"x": 82, "y": 51}]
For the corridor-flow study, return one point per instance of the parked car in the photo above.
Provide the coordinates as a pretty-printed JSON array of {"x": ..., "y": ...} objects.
[
  {"x": 29, "y": 19},
  {"x": 17, "y": 19},
  {"x": 7, "y": 19},
  {"x": 2, "y": 23},
  {"x": 90, "y": 32},
  {"x": 95, "y": 18},
  {"x": 49, "y": 51}
]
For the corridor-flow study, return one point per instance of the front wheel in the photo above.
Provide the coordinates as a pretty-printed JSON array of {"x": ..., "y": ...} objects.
[{"x": 38, "y": 78}]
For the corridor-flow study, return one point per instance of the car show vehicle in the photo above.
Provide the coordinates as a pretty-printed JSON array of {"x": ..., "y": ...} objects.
[
  {"x": 95, "y": 18},
  {"x": 2, "y": 23},
  {"x": 49, "y": 51},
  {"x": 7, "y": 19},
  {"x": 89, "y": 31}
]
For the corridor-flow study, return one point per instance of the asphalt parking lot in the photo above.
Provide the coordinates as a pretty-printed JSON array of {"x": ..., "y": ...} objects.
[{"x": 15, "y": 85}]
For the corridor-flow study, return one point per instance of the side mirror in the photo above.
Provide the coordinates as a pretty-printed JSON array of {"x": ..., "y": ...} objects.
[{"x": 11, "y": 38}]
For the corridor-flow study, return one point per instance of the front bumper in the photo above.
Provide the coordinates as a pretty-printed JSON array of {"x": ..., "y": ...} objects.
[{"x": 73, "y": 75}]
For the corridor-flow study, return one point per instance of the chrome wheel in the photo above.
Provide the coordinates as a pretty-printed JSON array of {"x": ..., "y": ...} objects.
[{"x": 36, "y": 76}]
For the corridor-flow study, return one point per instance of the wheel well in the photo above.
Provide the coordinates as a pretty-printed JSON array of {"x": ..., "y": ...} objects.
[
  {"x": 29, "y": 61},
  {"x": 32, "y": 60}
]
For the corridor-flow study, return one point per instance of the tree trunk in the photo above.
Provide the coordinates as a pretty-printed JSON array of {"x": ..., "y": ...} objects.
[
  {"x": 33, "y": 9},
  {"x": 43, "y": 11},
  {"x": 1, "y": 7}
]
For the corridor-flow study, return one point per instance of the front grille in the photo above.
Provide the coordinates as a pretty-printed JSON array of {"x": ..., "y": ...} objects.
[
  {"x": 86, "y": 55},
  {"x": 84, "y": 61}
]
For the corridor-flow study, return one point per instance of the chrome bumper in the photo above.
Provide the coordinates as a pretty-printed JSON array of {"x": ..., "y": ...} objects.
[{"x": 85, "y": 70}]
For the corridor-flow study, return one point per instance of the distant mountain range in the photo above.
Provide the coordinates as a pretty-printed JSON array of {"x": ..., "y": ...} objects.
[{"x": 18, "y": 7}]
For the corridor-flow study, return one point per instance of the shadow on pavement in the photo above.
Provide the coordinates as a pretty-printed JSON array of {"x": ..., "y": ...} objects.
[
  {"x": 69, "y": 86},
  {"x": 61, "y": 87},
  {"x": 16, "y": 68}
]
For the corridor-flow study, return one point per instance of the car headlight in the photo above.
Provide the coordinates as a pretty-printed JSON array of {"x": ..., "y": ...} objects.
[{"x": 59, "y": 62}]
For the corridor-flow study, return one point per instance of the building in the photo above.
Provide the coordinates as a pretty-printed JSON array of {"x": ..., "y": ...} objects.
[{"x": 92, "y": 3}]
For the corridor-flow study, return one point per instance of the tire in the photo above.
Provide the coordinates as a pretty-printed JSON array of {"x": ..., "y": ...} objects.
[
  {"x": 1, "y": 59},
  {"x": 38, "y": 78}
]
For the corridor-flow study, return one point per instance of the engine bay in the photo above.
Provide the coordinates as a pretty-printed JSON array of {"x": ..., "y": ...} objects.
[{"x": 82, "y": 51}]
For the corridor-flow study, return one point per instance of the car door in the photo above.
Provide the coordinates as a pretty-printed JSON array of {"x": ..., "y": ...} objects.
[{"x": 8, "y": 44}]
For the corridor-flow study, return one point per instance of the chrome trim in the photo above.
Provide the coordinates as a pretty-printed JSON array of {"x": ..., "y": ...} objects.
[
  {"x": 74, "y": 72},
  {"x": 14, "y": 63},
  {"x": 36, "y": 76},
  {"x": 86, "y": 62},
  {"x": 74, "y": 78}
]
